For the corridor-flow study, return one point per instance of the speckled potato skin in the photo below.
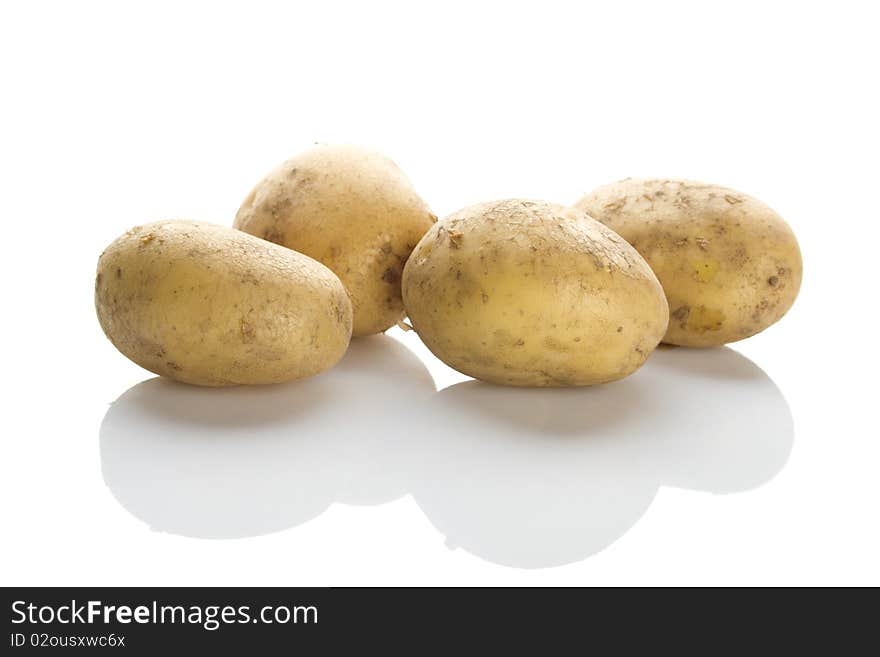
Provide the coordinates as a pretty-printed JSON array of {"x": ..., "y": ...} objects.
[
  {"x": 351, "y": 209},
  {"x": 528, "y": 293},
  {"x": 730, "y": 266},
  {"x": 213, "y": 306}
]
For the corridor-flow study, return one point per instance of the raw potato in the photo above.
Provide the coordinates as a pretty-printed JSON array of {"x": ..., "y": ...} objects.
[
  {"x": 353, "y": 210},
  {"x": 730, "y": 266},
  {"x": 212, "y": 306},
  {"x": 528, "y": 293}
]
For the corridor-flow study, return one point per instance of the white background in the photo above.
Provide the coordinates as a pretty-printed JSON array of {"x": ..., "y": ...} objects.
[{"x": 115, "y": 114}]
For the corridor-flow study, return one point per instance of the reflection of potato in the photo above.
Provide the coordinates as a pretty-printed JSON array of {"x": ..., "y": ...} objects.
[
  {"x": 351, "y": 209},
  {"x": 213, "y": 306},
  {"x": 517, "y": 476},
  {"x": 527, "y": 478},
  {"x": 247, "y": 460},
  {"x": 730, "y": 266},
  {"x": 528, "y": 293},
  {"x": 537, "y": 478}
]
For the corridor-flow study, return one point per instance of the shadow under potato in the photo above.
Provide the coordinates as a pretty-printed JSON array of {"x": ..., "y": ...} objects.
[
  {"x": 254, "y": 460},
  {"x": 522, "y": 477},
  {"x": 530, "y": 478}
]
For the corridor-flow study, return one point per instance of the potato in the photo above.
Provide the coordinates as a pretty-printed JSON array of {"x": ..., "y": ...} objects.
[
  {"x": 213, "y": 306},
  {"x": 353, "y": 210},
  {"x": 528, "y": 293},
  {"x": 730, "y": 266}
]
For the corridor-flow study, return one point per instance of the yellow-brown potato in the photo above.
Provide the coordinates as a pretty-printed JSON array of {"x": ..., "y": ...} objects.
[
  {"x": 730, "y": 266},
  {"x": 352, "y": 209},
  {"x": 212, "y": 306},
  {"x": 528, "y": 293}
]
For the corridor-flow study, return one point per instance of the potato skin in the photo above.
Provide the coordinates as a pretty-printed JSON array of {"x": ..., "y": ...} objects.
[
  {"x": 351, "y": 209},
  {"x": 528, "y": 293},
  {"x": 729, "y": 265},
  {"x": 212, "y": 306}
]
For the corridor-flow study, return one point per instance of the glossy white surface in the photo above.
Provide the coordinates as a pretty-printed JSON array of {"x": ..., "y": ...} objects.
[
  {"x": 754, "y": 464},
  {"x": 526, "y": 478}
]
